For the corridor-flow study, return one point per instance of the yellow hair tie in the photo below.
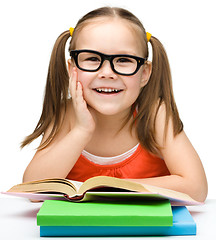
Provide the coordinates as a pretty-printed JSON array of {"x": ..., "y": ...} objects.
[
  {"x": 71, "y": 31},
  {"x": 148, "y": 36}
]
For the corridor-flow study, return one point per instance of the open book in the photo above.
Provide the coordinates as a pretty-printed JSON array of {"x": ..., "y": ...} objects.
[{"x": 102, "y": 187}]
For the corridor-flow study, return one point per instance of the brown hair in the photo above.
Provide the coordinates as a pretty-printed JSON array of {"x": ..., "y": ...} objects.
[{"x": 159, "y": 86}]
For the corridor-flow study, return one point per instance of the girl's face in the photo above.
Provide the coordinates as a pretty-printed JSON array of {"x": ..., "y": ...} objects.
[{"x": 111, "y": 36}]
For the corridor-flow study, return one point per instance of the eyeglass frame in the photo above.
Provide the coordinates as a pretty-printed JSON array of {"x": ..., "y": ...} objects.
[{"x": 140, "y": 61}]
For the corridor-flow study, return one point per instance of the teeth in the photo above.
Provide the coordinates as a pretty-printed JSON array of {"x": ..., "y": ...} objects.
[{"x": 107, "y": 90}]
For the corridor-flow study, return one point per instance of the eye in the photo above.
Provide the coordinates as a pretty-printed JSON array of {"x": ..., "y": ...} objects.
[
  {"x": 89, "y": 57},
  {"x": 92, "y": 59},
  {"x": 124, "y": 60}
]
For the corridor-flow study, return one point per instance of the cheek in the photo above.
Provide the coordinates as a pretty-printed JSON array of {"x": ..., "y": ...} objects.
[
  {"x": 134, "y": 83},
  {"x": 84, "y": 78}
]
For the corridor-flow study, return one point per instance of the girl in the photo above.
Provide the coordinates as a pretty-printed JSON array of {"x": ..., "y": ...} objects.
[{"x": 121, "y": 119}]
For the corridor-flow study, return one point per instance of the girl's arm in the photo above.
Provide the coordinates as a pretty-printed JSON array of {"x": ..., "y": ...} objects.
[
  {"x": 183, "y": 162},
  {"x": 58, "y": 158}
]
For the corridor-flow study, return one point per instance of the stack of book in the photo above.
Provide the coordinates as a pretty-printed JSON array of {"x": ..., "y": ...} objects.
[
  {"x": 134, "y": 218},
  {"x": 108, "y": 207}
]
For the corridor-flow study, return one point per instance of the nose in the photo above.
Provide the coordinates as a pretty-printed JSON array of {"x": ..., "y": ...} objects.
[{"x": 106, "y": 71}]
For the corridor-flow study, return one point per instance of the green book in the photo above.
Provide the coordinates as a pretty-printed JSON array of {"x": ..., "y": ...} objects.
[{"x": 133, "y": 213}]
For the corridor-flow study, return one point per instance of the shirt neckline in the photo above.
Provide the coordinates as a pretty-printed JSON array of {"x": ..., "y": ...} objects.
[{"x": 109, "y": 160}]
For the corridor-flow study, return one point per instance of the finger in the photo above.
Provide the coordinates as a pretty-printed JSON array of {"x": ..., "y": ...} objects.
[
  {"x": 70, "y": 87},
  {"x": 73, "y": 83},
  {"x": 80, "y": 98}
]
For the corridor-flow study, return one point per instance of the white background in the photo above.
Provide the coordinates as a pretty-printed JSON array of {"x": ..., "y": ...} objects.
[{"x": 29, "y": 30}]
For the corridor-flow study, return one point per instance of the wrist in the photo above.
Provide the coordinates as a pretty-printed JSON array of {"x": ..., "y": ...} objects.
[{"x": 81, "y": 133}]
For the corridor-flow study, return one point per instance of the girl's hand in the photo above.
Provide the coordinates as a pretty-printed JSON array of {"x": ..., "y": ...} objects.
[{"x": 83, "y": 118}]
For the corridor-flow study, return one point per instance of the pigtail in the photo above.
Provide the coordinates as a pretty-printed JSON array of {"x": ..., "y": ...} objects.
[
  {"x": 161, "y": 71},
  {"x": 56, "y": 94},
  {"x": 158, "y": 91}
]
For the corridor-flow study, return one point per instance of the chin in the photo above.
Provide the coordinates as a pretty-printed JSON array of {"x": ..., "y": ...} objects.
[
  {"x": 107, "y": 111},
  {"x": 110, "y": 110}
]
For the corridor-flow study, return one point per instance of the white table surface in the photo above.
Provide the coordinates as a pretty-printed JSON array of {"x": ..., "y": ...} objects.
[{"x": 18, "y": 221}]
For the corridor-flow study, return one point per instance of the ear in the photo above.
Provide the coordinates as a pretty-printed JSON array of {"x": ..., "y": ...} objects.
[
  {"x": 146, "y": 73},
  {"x": 70, "y": 66}
]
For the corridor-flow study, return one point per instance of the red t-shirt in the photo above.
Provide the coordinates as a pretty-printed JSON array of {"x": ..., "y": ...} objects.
[{"x": 141, "y": 164}]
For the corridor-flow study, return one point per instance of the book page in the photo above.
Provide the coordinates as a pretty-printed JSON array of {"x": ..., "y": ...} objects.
[
  {"x": 56, "y": 185},
  {"x": 170, "y": 193},
  {"x": 106, "y": 181},
  {"x": 145, "y": 189},
  {"x": 76, "y": 184}
]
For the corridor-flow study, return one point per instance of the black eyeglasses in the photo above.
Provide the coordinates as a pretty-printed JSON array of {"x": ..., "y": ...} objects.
[{"x": 91, "y": 61}]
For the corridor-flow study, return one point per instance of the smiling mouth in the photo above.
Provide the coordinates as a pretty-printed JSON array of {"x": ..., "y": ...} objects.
[{"x": 107, "y": 90}]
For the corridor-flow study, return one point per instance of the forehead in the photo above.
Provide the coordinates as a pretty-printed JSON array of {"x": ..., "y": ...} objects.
[{"x": 110, "y": 35}]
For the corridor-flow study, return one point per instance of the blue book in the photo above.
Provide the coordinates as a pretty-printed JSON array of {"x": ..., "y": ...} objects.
[{"x": 183, "y": 224}]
